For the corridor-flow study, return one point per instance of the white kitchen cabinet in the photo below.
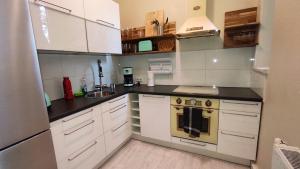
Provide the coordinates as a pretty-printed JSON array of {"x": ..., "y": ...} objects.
[
  {"x": 105, "y": 12},
  {"x": 239, "y": 128},
  {"x": 116, "y": 122},
  {"x": 155, "y": 116},
  {"x": 78, "y": 138},
  {"x": 103, "y": 39},
  {"x": 72, "y": 7},
  {"x": 58, "y": 31},
  {"x": 238, "y": 144}
]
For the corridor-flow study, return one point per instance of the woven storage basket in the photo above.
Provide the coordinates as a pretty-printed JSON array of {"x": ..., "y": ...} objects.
[{"x": 166, "y": 45}]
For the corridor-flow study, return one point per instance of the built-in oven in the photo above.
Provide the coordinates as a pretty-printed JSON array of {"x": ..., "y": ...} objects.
[{"x": 210, "y": 118}]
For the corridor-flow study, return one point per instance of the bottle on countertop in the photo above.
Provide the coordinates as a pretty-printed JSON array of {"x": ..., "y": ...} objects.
[
  {"x": 84, "y": 86},
  {"x": 68, "y": 93}
]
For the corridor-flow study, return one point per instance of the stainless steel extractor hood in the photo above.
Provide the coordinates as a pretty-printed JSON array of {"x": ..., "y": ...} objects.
[{"x": 197, "y": 24}]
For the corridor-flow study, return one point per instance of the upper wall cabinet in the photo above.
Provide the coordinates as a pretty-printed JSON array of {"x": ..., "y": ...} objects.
[
  {"x": 103, "y": 39},
  {"x": 105, "y": 12},
  {"x": 73, "y": 7},
  {"x": 57, "y": 31}
]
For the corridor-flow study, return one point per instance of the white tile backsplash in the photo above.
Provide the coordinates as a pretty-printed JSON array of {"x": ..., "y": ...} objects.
[
  {"x": 221, "y": 67},
  {"x": 55, "y": 66}
]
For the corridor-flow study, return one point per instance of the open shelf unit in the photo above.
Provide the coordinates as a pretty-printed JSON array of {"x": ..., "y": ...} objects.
[{"x": 135, "y": 114}]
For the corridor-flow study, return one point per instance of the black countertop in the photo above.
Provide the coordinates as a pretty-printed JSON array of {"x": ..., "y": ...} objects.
[{"x": 62, "y": 108}]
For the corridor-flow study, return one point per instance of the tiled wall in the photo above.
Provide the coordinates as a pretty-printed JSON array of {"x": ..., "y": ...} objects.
[
  {"x": 221, "y": 67},
  {"x": 55, "y": 66}
]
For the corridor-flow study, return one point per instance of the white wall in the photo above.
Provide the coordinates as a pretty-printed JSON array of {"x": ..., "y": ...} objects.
[
  {"x": 281, "y": 116},
  {"x": 55, "y": 66},
  {"x": 222, "y": 67}
]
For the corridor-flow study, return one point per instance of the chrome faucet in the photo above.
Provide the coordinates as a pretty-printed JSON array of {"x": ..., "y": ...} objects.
[{"x": 100, "y": 87}]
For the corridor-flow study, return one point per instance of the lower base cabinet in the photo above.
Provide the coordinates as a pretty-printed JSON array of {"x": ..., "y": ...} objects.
[
  {"x": 237, "y": 144},
  {"x": 86, "y": 157},
  {"x": 116, "y": 137}
]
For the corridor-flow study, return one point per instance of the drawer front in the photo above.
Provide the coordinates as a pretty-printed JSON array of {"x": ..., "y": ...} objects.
[
  {"x": 194, "y": 144},
  {"x": 76, "y": 131},
  {"x": 112, "y": 104},
  {"x": 244, "y": 106},
  {"x": 78, "y": 118},
  {"x": 239, "y": 121},
  {"x": 115, "y": 117},
  {"x": 115, "y": 137},
  {"x": 87, "y": 156},
  {"x": 237, "y": 145}
]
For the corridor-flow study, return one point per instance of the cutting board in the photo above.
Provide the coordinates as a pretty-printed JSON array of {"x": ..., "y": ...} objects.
[{"x": 150, "y": 16}]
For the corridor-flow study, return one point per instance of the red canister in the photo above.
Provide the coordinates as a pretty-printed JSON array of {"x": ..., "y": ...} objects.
[{"x": 68, "y": 93}]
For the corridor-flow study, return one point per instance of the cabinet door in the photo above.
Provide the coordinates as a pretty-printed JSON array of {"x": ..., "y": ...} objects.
[
  {"x": 73, "y": 7},
  {"x": 103, "y": 39},
  {"x": 105, "y": 12},
  {"x": 57, "y": 31},
  {"x": 155, "y": 117}
]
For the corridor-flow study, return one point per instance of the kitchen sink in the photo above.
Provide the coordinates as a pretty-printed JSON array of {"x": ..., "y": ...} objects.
[{"x": 98, "y": 94}]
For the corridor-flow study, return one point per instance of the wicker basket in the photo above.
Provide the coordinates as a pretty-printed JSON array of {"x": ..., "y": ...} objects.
[{"x": 166, "y": 45}]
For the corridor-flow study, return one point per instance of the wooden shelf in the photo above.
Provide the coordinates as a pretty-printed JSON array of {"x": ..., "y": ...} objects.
[
  {"x": 242, "y": 26},
  {"x": 147, "y": 53},
  {"x": 149, "y": 38}
]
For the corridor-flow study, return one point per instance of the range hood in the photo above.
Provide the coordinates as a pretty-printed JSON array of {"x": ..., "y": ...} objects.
[{"x": 197, "y": 24}]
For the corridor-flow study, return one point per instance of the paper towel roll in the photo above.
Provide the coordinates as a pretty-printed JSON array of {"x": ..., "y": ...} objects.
[{"x": 150, "y": 78}]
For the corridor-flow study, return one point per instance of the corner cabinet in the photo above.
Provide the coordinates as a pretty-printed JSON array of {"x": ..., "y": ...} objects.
[
  {"x": 56, "y": 30},
  {"x": 103, "y": 39},
  {"x": 155, "y": 116},
  {"x": 105, "y": 12}
]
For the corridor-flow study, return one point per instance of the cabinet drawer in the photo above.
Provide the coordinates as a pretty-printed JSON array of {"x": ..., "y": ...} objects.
[
  {"x": 87, "y": 156},
  {"x": 115, "y": 117},
  {"x": 75, "y": 131},
  {"x": 115, "y": 137},
  {"x": 114, "y": 103},
  {"x": 194, "y": 144},
  {"x": 242, "y": 122},
  {"x": 244, "y": 106},
  {"x": 237, "y": 144}
]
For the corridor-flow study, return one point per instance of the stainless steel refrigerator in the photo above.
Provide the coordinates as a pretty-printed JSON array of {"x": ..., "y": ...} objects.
[{"x": 25, "y": 139}]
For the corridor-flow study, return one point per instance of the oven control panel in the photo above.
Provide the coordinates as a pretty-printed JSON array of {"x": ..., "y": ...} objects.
[{"x": 195, "y": 102}]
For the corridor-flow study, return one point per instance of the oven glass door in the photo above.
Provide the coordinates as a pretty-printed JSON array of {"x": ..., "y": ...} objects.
[{"x": 209, "y": 131}]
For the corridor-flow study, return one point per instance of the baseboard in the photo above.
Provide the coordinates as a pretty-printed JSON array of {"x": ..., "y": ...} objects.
[
  {"x": 192, "y": 150},
  {"x": 253, "y": 165}
]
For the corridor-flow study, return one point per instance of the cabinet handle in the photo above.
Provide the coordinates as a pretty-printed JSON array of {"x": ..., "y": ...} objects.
[
  {"x": 80, "y": 127},
  {"x": 66, "y": 120},
  {"x": 117, "y": 99},
  {"x": 81, "y": 152},
  {"x": 151, "y": 96},
  {"x": 239, "y": 114},
  {"x": 114, "y": 130},
  {"x": 105, "y": 22},
  {"x": 52, "y": 4},
  {"x": 198, "y": 144},
  {"x": 250, "y": 104},
  {"x": 117, "y": 109},
  {"x": 229, "y": 134}
]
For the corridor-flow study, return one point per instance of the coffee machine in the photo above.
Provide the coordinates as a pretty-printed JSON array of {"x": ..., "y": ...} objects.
[{"x": 128, "y": 76}]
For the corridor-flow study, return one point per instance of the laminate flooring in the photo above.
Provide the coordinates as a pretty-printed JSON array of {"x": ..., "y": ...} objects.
[{"x": 141, "y": 155}]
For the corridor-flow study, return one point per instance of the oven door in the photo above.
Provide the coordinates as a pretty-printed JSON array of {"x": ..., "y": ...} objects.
[{"x": 209, "y": 131}]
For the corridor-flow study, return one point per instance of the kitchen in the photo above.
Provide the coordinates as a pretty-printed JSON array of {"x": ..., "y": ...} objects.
[{"x": 125, "y": 84}]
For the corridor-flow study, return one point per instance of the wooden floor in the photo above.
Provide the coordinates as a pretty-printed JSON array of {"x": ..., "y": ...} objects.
[{"x": 140, "y": 155}]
